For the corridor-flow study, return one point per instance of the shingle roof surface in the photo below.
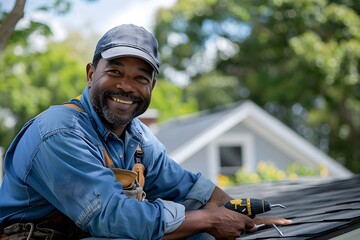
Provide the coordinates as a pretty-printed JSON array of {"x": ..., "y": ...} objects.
[{"x": 319, "y": 210}]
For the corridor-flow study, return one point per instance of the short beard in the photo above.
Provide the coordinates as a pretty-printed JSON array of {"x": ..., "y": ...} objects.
[
  {"x": 102, "y": 109},
  {"x": 109, "y": 118}
]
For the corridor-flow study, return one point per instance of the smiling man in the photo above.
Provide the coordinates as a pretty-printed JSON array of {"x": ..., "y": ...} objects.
[
  {"x": 89, "y": 168},
  {"x": 131, "y": 96}
]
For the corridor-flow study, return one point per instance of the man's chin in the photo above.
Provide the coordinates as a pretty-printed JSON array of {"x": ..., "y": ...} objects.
[
  {"x": 119, "y": 122},
  {"x": 120, "y": 119}
]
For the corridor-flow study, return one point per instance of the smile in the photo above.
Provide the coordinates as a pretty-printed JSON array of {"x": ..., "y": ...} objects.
[{"x": 121, "y": 101}]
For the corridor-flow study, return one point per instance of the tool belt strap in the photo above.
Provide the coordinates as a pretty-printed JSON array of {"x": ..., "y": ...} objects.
[{"x": 128, "y": 178}]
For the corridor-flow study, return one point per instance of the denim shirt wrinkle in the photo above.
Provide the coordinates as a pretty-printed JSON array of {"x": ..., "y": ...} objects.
[
  {"x": 199, "y": 194},
  {"x": 93, "y": 209}
]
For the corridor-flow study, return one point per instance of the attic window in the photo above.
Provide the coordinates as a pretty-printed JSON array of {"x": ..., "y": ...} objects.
[{"x": 231, "y": 159}]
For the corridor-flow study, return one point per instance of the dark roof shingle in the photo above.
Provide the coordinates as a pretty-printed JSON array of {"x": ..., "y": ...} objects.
[{"x": 319, "y": 210}]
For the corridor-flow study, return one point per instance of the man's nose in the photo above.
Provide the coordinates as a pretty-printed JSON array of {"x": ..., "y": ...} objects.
[{"x": 125, "y": 83}]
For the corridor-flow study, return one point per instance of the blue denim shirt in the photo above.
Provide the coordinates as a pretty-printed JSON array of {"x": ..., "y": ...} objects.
[{"x": 56, "y": 163}]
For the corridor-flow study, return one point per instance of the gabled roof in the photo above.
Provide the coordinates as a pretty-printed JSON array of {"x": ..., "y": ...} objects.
[
  {"x": 185, "y": 136},
  {"x": 320, "y": 209}
]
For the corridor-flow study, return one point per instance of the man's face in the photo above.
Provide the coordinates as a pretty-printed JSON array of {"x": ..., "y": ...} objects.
[{"x": 120, "y": 90}]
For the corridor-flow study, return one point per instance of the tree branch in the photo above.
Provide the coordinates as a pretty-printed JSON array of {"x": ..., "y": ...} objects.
[{"x": 8, "y": 26}]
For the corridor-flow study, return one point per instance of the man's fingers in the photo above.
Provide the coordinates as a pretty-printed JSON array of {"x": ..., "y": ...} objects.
[
  {"x": 270, "y": 221},
  {"x": 261, "y": 223},
  {"x": 256, "y": 227}
]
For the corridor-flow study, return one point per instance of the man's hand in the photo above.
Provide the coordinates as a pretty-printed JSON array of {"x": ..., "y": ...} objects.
[
  {"x": 219, "y": 222},
  {"x": 228, "y": 224}
]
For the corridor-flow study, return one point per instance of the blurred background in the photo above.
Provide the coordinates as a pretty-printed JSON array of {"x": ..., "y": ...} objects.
[{"x": 297, "y": 60}]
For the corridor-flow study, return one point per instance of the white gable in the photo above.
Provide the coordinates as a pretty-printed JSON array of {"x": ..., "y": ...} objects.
[{"x": 265, "y": 125}]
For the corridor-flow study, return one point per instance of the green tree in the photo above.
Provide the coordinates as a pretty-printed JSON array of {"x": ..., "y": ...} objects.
[
  {"x": 32, "y": 81},
  {"x": 297, "y": 59},
  {"x": 9, "y": 34},
  {"x": 30, "y": 76},
  {"x": 168, "y": 99}
]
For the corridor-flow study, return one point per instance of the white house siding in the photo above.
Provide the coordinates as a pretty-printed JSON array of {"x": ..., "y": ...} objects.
[
  {"x": 265, "y": 150},
  {"x": 199, "y": 162},
  {"x": 259, "y": 149}
]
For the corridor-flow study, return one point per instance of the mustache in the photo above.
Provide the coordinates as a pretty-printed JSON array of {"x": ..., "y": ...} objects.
[{"x": 122, "y": 93}]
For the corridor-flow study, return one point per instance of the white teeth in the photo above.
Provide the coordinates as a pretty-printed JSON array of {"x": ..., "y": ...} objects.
[{"x": 122, "y": 101}]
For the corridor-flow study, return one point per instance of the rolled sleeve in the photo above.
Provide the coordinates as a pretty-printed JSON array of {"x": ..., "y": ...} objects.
[
  {"x": 199, "y": 194},
  {"x": 174, "y": 215}
]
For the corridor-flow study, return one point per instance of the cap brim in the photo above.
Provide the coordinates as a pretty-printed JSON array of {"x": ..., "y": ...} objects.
[{"x": 123, "y": 51}]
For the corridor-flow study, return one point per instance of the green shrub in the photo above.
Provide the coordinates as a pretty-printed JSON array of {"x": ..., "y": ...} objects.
[{"x": 268, "y": 172}]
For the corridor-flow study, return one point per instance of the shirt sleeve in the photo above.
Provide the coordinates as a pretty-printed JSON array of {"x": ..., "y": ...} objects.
[
  {"x": 174, "y": 215},
  {"x": 199, "y": 194},
  {"x": 166, "y": 179},
  {"x": 67, "y": 171}
]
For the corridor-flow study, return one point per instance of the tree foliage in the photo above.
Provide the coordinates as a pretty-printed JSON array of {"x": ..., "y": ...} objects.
[
  {"x": 168, "y": 99},
  {"x": 9, "y": 34},
  {"x": 297, "y": 59},
  {"x": 32, "y": 81},
  {"x": 19, "y": 98}
]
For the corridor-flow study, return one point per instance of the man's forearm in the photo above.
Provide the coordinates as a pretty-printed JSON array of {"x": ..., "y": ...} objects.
[
  {"x": 218, "y": 221},
  {"x": 195, "y": 222},
  {"x": 218, "y": 199}
]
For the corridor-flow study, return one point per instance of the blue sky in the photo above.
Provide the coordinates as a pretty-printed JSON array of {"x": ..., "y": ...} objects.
[{"x": 97, "y": 16}]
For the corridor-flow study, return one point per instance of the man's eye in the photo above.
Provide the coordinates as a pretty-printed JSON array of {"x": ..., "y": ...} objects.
[
  {"x": 143, "y": 79},
  {"x": 113, "y": 72}
]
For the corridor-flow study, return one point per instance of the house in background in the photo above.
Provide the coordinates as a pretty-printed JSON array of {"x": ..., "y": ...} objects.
[{"x": 220, "y": 142}]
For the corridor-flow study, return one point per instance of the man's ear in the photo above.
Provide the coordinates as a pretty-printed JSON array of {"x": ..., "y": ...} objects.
[
  {"x": 89, "y": 73},
  {"x": 153, "y": 84}
]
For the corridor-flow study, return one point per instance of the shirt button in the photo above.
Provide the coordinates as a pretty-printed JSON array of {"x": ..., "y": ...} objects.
[
  {"x": 132, "y": 145},
  {"x": 121, "y": 156}
]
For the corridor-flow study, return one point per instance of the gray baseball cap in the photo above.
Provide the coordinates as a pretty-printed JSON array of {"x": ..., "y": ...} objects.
[{"x": 129, "y": 40}]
